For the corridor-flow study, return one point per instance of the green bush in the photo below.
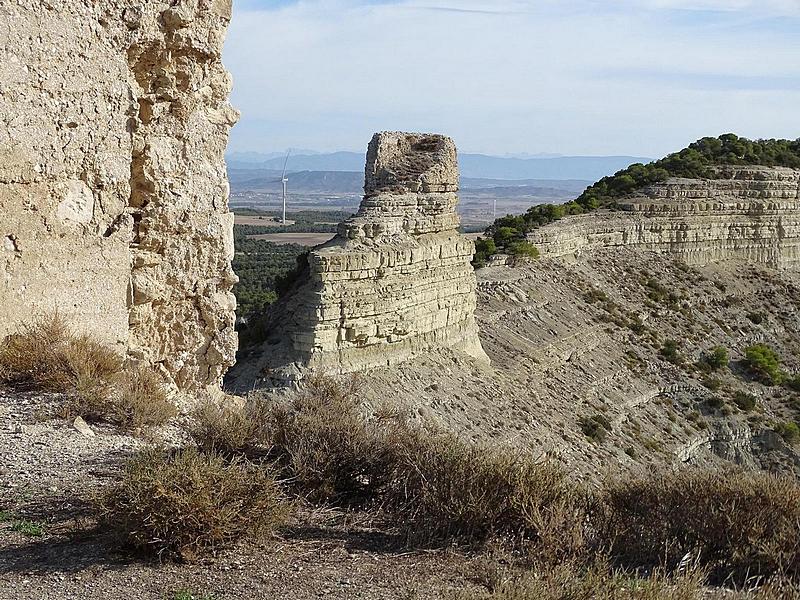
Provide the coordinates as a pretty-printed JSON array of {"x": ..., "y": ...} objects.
[
  {"x": 744, "y": 401},
  {"x": 716, "y": 359},
  {"x": 696, "y": 161},
  {"x": 522, "y": 249},
  {"x": 764, "y": 364},
  {"x": 670, "y": 351},
  {"x": 793, "y": 383},
  {"x": 789, "y": 431},
  {"x": 484, "y": 249}
]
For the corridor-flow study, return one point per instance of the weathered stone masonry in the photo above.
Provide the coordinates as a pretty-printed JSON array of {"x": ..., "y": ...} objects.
[{"x": 113, "y": 194}]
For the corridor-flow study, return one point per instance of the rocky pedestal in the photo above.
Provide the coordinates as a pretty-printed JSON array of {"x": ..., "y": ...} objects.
[
  {"x": 114, "y": 118},
  {"x": 746, "y": 213},
  {"x": 394, "y": 282}
]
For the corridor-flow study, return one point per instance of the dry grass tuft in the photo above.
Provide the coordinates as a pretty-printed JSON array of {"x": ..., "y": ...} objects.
[
  {"x": 142, "y": 399},
  {"x": 571, "y": 581},
  {"x": 445, "y": 489},
  {"x": 185, "y": 503},
  {"x": 229, "y": 429},
  {"x": 47, "y": 355}
]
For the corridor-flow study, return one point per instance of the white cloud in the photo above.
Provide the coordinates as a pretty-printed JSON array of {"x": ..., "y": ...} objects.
[{"x": 512, "y": 75}]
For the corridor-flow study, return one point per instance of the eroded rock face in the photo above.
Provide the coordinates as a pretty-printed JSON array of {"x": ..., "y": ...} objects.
[
  {"x": 747, "y": 213},
  {"x": 113, "y": 194},
  {"x": 394, "y": 282}
]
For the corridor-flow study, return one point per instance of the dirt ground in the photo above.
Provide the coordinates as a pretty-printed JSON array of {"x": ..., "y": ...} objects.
[{"x": 49, "y": 473}]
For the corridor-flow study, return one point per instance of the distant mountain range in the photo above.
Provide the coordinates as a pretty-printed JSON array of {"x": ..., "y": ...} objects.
[
  {"x": 352, "y": 183},
  {"x": 476, "y": 166}
]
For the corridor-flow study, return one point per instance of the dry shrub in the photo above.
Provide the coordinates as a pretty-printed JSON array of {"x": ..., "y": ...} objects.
[
  {"x": 445, "y": 489},
  {"x": 47, "y": 355},
  {"x": 326, "y": 447},
  {"x": 185, "y": 503},
  {"x": 230, "y": 429},
  {"x": 572, "y": 582},
  {"x": 738, "y": 525},
  {"x": 141, "y": 400}
]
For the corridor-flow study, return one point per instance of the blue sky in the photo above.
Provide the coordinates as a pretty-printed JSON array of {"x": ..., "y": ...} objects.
[{"x": 639, "y": 77}]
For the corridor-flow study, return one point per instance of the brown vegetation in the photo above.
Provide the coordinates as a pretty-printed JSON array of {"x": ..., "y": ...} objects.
[
  {"x": 46, "y": 355},
  {"x": 439, "y": 489},
  {"x": 185, "y": 502},
  {"x": 737, "y": 524}
]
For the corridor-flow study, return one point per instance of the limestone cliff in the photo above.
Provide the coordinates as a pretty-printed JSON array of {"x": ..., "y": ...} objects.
[
  {"x": 745, "y": 213},
  {"x": 113, "y": 193},
  {"x": 394, "y": 282}
]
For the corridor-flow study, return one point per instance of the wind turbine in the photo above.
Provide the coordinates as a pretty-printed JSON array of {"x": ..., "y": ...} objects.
[{"x": 284, "y": 180}]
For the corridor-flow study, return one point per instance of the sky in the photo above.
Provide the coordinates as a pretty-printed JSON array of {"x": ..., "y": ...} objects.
[{"x": 575, "y": 77}]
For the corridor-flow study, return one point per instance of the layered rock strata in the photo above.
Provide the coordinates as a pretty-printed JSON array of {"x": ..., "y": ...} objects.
[
  {"x": 394, "y": 282},
  {"x": 113, "y": 193},
  {"x": 745, "y": 213}
]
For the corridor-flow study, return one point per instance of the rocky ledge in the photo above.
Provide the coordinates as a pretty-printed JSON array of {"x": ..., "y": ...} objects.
[
  {"x": 745, "y": 213},
  {"x": 394, "y": 282}
]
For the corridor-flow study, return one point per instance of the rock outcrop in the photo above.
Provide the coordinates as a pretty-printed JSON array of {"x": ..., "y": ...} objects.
[
  {"x": 746, "y": 213},
  {"x": 113, "y": 194},
  {"x": 394, "y": 282}
]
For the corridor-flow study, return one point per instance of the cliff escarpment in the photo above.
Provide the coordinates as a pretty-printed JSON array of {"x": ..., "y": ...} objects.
[
  {"x": 743, "y": 213},
  {"x": 395, "y": 281},
  {"x": 114, "y": 118}
]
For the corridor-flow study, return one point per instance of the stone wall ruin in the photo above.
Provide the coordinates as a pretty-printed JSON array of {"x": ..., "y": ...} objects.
[{"x": 114, "y": 118}]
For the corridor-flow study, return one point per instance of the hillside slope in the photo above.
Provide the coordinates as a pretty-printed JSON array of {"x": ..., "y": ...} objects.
[{"x": 578, "y": 370}]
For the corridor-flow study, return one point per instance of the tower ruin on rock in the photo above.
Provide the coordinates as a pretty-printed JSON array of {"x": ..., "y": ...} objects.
[{"x": 395, "y": 281}]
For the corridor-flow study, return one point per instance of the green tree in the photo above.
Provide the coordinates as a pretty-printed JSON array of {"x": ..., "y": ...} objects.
[
  {"x": 717, "y": 358},
  {"x": 484, "y": 248},
  {"x": 764, "y": 364}
]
